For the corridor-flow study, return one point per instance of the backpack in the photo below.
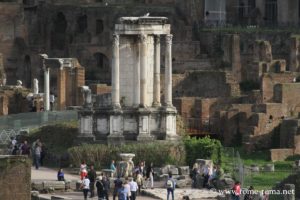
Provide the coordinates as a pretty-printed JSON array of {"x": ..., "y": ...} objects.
[{"x": 170, "y": 184}]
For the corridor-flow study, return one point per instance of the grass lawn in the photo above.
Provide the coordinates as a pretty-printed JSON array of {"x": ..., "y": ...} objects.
[{"x": 260, "y": 180}]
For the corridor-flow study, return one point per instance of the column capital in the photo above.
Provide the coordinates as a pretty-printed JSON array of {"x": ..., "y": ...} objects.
[
  {"x": 169, "y": 38},
  {"x": 142, "y": 38},
  {"x": 157, "y": 39},
  {"x": 116, "y": 39}
]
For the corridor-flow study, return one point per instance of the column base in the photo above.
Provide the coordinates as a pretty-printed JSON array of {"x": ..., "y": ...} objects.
[
  {"x": 145, "y": 137},
  {"x": 116, "y": 139},
  {"x": 156, "y": 104}
]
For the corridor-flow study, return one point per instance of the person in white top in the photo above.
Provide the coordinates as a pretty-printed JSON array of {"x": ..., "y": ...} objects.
[
  {"x": 127, "y": 186},
  {"x": 83, "y": 170},
  {"x": 133, "y": 188},
  {"x": 85, "y": 185}
]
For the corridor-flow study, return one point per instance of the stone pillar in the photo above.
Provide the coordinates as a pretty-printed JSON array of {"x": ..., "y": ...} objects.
[
  {"x": 168, "y": 71},
  {"x": 61, "y": 89},
  {"x": 116, "y": 72},
  {"x": 143, "y": 60},
  {"x": 46, "y": 88},
  {"x": 137, "y": 76},
  {"x": 156, "y": 83}
]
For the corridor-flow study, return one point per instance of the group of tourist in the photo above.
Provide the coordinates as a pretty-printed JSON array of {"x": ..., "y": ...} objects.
[
  {"x": 37, "y": 150},
  {"x": 124, "y": 189},
  {"x": 210, "y": 175}
]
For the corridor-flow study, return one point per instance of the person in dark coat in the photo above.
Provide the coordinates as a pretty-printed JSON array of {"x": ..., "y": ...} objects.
[{"x": 92, "y": 176}]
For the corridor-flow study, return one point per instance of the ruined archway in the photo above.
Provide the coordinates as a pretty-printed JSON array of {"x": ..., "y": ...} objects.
[{"x": 58, "y": 33}]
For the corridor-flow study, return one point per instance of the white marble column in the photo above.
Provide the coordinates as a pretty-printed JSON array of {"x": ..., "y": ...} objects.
[
  {"x": 156, "y": 82},
  {"x": 46, "y": 88},
  {"x": 143, "y": 60},
  {"x": 168, "y": 70},
  {"x": 137, "y": 76},
  {"x": 116, "y": 72}
]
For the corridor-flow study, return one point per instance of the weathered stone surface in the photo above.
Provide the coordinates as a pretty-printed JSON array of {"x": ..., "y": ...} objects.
[
  {"x": 15, "y": 173},
  {"x": 269, "y": 167},
  {"x": 185, "y": 170},
  {"x": 54, "y": 185}
]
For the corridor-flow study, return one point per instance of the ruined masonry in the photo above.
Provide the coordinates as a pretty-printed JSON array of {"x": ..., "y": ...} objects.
[{"x": 135, "y": 111}]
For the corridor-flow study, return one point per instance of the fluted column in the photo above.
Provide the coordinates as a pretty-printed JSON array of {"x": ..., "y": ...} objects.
[
  {"x": 143, "y": 56},
  {"x": 116, "y": 72},
  {"x": 168, "y": 70},
  {"x": 156, "y": 82},
  {"x": 46, "y": 88},
  {"x": 137, "y": 76}
]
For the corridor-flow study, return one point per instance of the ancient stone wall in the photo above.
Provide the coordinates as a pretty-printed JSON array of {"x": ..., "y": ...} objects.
[
  {"x": 281, "y": 154},
  {"x": 269, "y": 80},
  {"x": 15, "y": 181},
  {"x": 208, "y": 84}
]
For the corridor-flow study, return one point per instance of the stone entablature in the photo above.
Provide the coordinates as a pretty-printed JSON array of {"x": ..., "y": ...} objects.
[{"x": 136, "y": 111}]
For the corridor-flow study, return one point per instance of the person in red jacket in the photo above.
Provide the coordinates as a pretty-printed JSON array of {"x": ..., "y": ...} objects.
[{"x": 236, "y": 193}]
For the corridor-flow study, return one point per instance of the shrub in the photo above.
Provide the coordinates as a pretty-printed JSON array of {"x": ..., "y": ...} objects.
[
  {"x": 160, "y": 153},
  {"x": 204, "y": 148}
]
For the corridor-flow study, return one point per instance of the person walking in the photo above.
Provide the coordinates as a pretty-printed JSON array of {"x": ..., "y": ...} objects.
[
  {"x": 106, "y": 185},
  {"x": 118, "y": 185},
  {"x": 170, "y": 184},
  {"x": 85, "y": 185},
  {"x": 149, "y": 175},
  {"x": 92, "y": 177},
  {"x": 139, "y": 181},
  {"x": 236, "y": 191},
  {"x": 113, "y": 167},
  {"x": 83, "y": 170},
  {"x": 123, "y": 193},
  {"x": 100, "y": 188},
  {"x": 37, "y": 155},
  {"x": 25, "y": 149},
  {"x": 133, "y": 188}
]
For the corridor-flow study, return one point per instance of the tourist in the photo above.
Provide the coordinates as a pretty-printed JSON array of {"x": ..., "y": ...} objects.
[
  {"x": 195, "y": 173},
  {"x": 60, "y": 175},
  {"x": 139, "y": 181},
  {"x": 83, "y": 170},
  {"x": 149, "y": 175},
  {"x": 123, "y": 192},
  {"x": 127, "y": 188},
  {"x": 206, "y": 175},
  {"x": 118, "y": 185},
  {"x": 52, "y": 100},
  {"x": 100, "y": 188},
  {"x": 112, "y": 167},
  {"x": 133, "y": 188},
  {"x": 85, "y": 185},
  {"x": 250, "y": 194},
  {"x": 37, "y": 154},
  {"x": 43, "y": 153},
  {"x": 106, "y": 184},
  {"x": 170, "y": 184},
  {"x": 236, "y": 191},
  {"x": 92, "y": 177},
  {"x": 25, "y": 149},
  {"x": 33, "y": 146}
]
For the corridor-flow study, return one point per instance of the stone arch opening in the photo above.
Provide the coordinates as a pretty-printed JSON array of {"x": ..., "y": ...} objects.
[
  {"x": 58, "y": 36},
  {"x": 82, "y": 24}
]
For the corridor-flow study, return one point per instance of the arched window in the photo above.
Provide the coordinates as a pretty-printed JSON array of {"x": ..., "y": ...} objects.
[
  {"x": 58, "y": 37},
  {"x": 99, "y": 26},
  {"x": 271, "y": 11}
]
